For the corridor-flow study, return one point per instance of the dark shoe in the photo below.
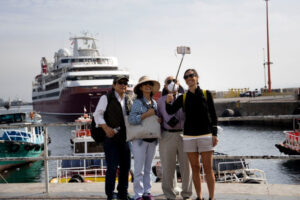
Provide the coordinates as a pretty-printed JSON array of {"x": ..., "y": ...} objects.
[
  {"x": 114, "y": 197},
  {"x": 148, "y": 197},
  {"x": 128, "y": 197}
]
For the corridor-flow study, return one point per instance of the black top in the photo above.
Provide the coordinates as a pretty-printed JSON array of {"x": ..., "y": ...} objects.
[{"x": 200, "y": 114}]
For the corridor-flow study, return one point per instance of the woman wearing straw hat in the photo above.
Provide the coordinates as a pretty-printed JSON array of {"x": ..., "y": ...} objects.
[{"x": 143, "y": 150}]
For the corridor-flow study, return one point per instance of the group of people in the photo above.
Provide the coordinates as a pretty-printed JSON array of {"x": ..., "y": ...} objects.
[{"x": 188, "y": 129}]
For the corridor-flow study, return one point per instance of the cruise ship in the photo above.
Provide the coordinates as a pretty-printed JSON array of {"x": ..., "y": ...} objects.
[{"x": 73, "y": 83}]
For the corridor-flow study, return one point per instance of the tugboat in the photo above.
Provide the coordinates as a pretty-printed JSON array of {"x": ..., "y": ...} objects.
[
  {"x": 291, "y": 144},
  {"x": 20, "y": 142}
]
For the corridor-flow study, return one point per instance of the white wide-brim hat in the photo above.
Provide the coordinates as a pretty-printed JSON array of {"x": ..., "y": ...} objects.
[{"x": 143, "y": 79}]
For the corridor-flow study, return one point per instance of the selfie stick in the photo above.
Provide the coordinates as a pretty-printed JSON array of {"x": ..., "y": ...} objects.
[{"x": 181, "y": 50}]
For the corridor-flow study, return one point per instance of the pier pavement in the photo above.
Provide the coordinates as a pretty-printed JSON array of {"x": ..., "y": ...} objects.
[{"x": 224, "y": 191}]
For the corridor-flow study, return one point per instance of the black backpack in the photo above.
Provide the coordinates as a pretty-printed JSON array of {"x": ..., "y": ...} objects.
[{"x": 97, "y": 133}]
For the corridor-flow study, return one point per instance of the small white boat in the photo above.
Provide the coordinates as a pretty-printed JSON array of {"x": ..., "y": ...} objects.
[
  {"x": 89, "y": 170},
  {"x": 226, "y": 171},
  {"x": 82, "y": 130}
]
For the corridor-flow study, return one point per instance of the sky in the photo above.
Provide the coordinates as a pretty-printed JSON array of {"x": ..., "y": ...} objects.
[{"x": 227, "y": 39}]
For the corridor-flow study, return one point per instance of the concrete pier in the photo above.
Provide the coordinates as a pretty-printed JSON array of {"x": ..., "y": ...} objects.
[
  {"x": 224, "y": 191},
  {"x": 247, "y": 106}
]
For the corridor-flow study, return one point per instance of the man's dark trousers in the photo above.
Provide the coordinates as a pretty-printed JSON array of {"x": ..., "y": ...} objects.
[{"x": 117, "y": 154}]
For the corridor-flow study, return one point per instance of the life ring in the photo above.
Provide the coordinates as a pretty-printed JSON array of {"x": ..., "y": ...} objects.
[{"x": 13, "y": 147}]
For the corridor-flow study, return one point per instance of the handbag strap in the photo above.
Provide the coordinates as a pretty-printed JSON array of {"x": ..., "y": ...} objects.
[{"x": 148, "y": 106}]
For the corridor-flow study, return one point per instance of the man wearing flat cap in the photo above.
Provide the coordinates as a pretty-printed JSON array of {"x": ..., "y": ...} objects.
[{"x": 110, "y": 115}]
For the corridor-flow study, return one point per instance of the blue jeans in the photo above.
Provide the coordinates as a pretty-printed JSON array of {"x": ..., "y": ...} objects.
[{"x": 117, "y": 154}]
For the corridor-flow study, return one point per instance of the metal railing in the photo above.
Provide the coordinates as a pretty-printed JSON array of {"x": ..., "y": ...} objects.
[
  {"x": 46, "y": 158},
  {"x": 258, "y": 118}
]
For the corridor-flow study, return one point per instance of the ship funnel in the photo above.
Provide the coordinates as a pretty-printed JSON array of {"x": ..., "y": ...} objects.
[{"x": 44, "y": 65}]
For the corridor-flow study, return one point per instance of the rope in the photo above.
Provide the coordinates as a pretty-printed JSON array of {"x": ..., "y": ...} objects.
[{"x": 3, "y": 178}]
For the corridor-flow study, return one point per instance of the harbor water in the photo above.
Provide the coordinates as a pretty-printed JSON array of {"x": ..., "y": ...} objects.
[{"x": 233, "y": 140}]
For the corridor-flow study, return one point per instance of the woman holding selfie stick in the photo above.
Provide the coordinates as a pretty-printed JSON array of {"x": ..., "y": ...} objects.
[{"x": 200, "y": 129}]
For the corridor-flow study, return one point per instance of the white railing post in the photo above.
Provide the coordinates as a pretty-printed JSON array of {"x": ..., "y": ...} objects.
[{"x": 46, "y": 159}]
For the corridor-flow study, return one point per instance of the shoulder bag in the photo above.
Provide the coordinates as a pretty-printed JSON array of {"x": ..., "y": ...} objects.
[{"x": 149, "y": 128}]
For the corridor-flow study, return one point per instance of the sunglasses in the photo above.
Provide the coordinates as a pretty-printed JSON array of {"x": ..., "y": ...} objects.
[
  {"x": 148, "y": 83},
  {"x": 169, "y": 81},
  {"x": 189, "y": 76},
  {"x": 122, "y": 82}
]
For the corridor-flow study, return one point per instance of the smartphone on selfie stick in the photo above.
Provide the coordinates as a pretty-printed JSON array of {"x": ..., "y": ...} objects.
[{"x": 181, "y": 50}]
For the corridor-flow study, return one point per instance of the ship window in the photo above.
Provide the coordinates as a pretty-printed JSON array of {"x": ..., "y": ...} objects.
[
  {"x": 46, "y": 95},
  {"x": 77, "y": 69},
  {"x": 52, "y": 86},
  {"x": 75, "y": 78},
  {"x": 79, "y": 147},
  {"x": 64, "y": 60},
  {"x": 93, "y": 147},
  {"x": 37, "y": 131}
]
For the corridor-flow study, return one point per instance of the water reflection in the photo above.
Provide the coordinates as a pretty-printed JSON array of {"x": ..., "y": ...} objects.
[{"x": 292, "y": 169}]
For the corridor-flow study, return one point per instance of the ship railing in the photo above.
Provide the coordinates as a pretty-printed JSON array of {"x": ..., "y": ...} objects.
[
  {"x": 226, "y": 170},
  {"x": 292, "y": 139},
  {"x": 256, "y": 174},
  {"x": 46, "y": 158},
  {"x": 81, "y": 133},
  {"x": 84, "y": 167},
  {"x": 17, "y": 135},
  {"x": 231, "y": 170}
]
